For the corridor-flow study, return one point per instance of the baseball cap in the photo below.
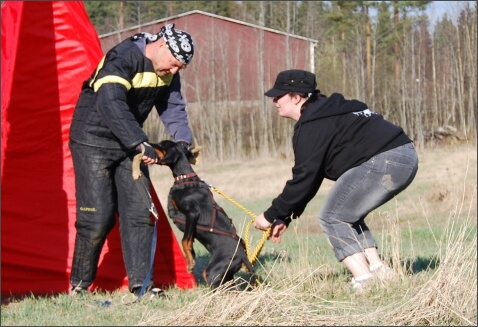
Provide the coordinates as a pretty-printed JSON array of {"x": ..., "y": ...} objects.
[{"x": 293, "y": 80}]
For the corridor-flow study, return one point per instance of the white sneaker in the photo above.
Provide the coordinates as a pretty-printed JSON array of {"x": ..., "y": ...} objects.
[
  {"x": 151, "y": 293},
  {"x": 361, "y": 283},
  {"x": 383, "y": 272}
]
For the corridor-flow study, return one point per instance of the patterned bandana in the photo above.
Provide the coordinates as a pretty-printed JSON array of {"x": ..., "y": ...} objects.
[{"x": 179, "y": 42}]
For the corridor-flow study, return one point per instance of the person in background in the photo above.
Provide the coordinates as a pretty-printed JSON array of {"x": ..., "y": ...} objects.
[
  {"x": 370, "y": 159},
  {"x": 106, "y": 132}
]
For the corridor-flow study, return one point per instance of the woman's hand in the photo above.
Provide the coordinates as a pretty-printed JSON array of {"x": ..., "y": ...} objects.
[
  {"x": 261, "y": 222},
  {"x": 277, "y": 228}
]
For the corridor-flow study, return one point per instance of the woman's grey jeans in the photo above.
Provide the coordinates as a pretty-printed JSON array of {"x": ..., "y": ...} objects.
[{"x": 361, "y": 190}]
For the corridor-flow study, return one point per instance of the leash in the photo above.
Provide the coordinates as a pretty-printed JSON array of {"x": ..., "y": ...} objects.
[
  {"x": 147, "y": 199},
  {"x": 251, "y": 255}
]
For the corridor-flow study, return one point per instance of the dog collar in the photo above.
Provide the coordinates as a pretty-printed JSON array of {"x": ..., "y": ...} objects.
[{"x": 180, "y": 177}]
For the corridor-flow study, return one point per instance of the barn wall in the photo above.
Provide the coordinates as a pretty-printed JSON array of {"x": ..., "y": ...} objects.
[{"x": 232, "y": 62}]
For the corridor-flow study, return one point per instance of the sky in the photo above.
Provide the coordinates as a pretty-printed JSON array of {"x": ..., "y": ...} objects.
[{"x": 437, "y": 9}]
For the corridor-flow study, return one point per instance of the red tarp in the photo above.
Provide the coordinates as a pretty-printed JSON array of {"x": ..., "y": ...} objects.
[{"x": 48, "y": 50}]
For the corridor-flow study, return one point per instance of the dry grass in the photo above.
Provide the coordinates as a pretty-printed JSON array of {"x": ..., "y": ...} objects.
[
  {"x": 443, "y": 197},
  {"x": 302, "y": 297},
  {"x": 446, "y": 177},
  {"x": 427, "y": 234}
]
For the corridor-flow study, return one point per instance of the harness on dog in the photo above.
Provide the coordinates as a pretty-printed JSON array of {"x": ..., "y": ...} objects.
[
  {"x": 251, "y": 255},
  {"x": 182, "y": 182}
]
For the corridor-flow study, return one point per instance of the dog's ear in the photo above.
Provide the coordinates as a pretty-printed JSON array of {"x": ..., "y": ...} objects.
[
  {"x": 194, "y": 160},
  {"x": 169, "y": 157}
]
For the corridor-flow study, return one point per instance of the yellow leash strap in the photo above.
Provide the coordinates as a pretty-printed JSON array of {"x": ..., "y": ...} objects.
[{"x": 252, "y": 256}]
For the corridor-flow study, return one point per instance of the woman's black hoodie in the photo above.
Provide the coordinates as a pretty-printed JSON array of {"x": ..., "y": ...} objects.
[{"x": 332, "y": 135}]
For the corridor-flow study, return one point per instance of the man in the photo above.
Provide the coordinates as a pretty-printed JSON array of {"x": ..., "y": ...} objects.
[{"x": 136, "y": 75}]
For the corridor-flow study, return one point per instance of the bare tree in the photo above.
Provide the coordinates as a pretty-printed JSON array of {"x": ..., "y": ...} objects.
[{"x": 423, "y": 79}]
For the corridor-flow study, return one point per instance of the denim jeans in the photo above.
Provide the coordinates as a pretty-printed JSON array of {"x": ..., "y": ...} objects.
[{"x": 359, "y": 191}]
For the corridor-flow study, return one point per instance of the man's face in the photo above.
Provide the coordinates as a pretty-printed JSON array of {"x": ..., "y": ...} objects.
[{"x": 164, "y": 62}]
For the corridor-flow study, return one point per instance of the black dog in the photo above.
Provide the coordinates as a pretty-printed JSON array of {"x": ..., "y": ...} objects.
[{"x": 194, "y": 211}]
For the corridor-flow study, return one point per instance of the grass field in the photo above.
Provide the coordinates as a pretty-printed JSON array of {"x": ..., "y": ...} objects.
[{"x": 427, "y": 234}]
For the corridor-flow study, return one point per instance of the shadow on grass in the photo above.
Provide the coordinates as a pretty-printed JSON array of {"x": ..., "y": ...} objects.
[
  {"x": 242, "y": 277},
  {"x": 421, "y": 264}
]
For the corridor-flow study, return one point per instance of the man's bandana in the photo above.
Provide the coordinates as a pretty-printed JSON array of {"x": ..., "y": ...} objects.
[{"x": 179, "y": 42}]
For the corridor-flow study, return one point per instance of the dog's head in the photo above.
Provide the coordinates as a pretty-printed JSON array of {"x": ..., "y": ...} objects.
[{"x": 169, "y": 152}]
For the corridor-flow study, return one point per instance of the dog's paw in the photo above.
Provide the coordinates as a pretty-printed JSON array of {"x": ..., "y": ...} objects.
[{"x": 191, "y": 266}]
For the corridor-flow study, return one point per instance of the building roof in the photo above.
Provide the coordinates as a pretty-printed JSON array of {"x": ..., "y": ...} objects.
[{"x": 210, "y": 15}]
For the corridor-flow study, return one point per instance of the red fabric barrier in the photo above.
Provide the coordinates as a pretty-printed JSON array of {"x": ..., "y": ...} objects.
[{"x": 48, "y": 50}]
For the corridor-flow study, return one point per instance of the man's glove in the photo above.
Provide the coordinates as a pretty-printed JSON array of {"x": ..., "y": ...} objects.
[
  {"x": 184, "y": 144},
  {"x": 186, "y": 149},
  {"x": 147, "y": 150}
]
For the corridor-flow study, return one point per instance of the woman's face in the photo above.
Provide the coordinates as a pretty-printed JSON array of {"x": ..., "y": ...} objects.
[{"x": 288, "y": 105}]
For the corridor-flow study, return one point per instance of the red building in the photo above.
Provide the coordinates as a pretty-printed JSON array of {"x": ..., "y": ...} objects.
[{"x": 233, "y": 60}]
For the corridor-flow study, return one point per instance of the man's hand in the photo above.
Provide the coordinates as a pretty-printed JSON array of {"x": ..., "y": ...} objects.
[
  {"x": 186, "y": 147},
  {"x": 149, "y": 155}
]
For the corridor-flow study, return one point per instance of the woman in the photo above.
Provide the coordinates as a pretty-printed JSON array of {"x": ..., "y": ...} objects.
[{"x": 370, "y": 159}]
